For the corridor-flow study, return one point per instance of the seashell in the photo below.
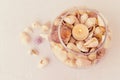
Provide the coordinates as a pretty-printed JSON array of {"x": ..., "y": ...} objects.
[
  {"x": 81, "y": 62},
  {"x": 93, "y": 42},
  {"x": 70, "y": 62},
  {"x": 25, "y": 37},
  {"x": 84, "y": 17},
  {"x": 92, "y": 56},
  {"x": 92, "y": 14},
  {"x": 28, "y": 30},
  {"x": 81, "y": 46},
  {"x": 65, "y": 34},
  {"x": 43, "y": 62},
  {"x": 57, "y": 22},
  {"x": 70, "y": 19},
  {"x": 34, "y": 51},
  {"x": 91, "y": 22},
  {"x": 72, "y": 47},
  {"x": 99, "y": 30}
]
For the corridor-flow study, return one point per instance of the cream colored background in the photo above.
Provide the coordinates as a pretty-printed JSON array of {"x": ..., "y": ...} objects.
[{"x": 16, "y": 64}]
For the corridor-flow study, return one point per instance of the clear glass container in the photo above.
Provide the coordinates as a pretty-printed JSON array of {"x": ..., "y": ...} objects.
[{"x": 79, "y": 37}]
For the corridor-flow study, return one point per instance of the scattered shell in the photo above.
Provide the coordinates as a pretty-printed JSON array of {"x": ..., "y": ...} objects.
[
  {"x": 93, "y": 42},
  {"x": 45, "y": 29},
  {"x": 72, "y": 47},
  {"x": 82, "y": 47},
  {"x": 25, "y": 37},
  {"x": 101, "y": 53},
  {"x": 43, "y": 62},
  {"x": 28, "y": 30},
  {"x": 65, "y": 34},
  {"x": 100, "y": 21},
  {"x": 70, "y": 19},
  {"x": 84, "y": 17},
  {"x": 34, "y": 51},
  {"x": 36, "y": 25},
  {"x": 57, "y": 22},
  {"x": 91, "y": 22},
  {"x": 45, "y": 36}
]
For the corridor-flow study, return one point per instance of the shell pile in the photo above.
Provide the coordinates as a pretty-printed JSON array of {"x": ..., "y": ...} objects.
[{"x": 81, "y": 31}]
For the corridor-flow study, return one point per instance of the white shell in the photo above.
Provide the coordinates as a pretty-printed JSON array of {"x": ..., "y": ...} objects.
[
  {"x": 70, "y": 19},
  {"x": 25, "y": 37},
  {"x": 82, "y": 47},
  {"x": 28, "y": 30},
  {"x": 93, "y": 42},
  {"x": 83, "y": 18},
  {"x": 90, "y": 22},
  {"x": 73, "y": 47}
]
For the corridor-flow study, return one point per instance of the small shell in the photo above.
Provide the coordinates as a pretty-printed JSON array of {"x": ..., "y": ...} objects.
[
  {"x": 62, "y": 55},
  {"x": 36, "y": 25},
  {"x": 92, "y": 56},
  {"x": 70, "y": 19},
  {"x": 45, "y": 29},
  {"x": 82, "y": 47},
  {"x": 70, "y": 62},
  {"x": 28, "y": 30},
  {"x": 81, "y": 62},
  {"x": 100, "y": 21},
  {"x": 68, "y": 25},
  {"x": 84, "y": 17},
  {"x": 65, "y": 34},
  {"x": 93, "y": 42},
  {"x": 45, "y": 36},
  {"x": 91, "y": 22},
  {"x": 71, "y": 55},
  {"x": 34, "y": 51},
  {"x": 25, "y": 37},
  {"x": 90, "y": 36},
  {"x": 99, "y": 30},
  {"x": 73, "y": 47},
  {"x": 57, "y": 22},
  {"x": 43, "y": 62},
  {"x": 72, "y": 40}
]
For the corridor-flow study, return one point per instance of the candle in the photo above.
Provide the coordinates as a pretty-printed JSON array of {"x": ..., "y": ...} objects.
[{"x": 80, "y": 32}]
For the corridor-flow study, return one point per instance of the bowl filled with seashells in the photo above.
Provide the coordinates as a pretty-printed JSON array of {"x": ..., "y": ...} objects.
[{"x": 79, "y": 37}]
